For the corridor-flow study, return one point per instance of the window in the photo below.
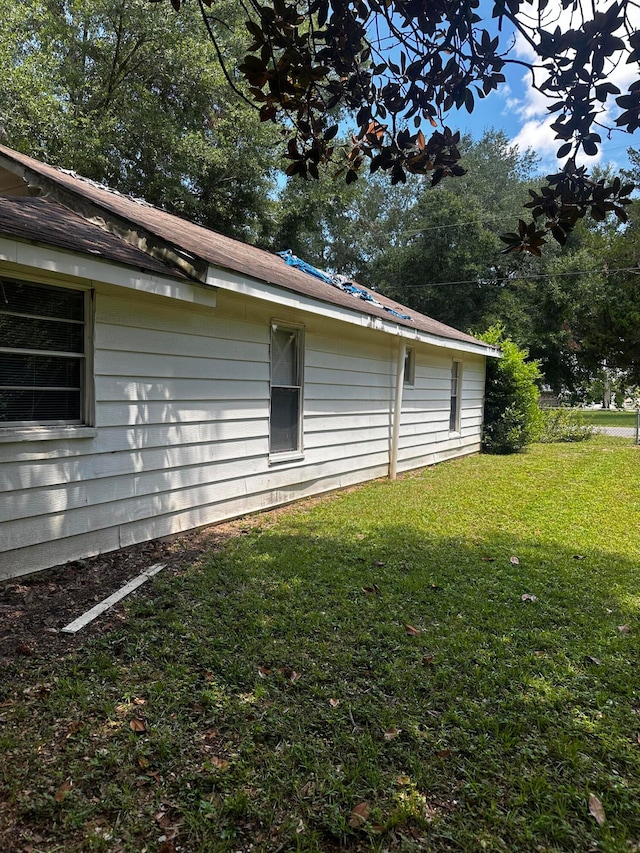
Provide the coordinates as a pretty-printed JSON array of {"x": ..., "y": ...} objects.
[
  {"x": 43, "y": 354},
  {"x": 285, "y": 432},
  {"x": 409, "y": 366},
  {"x": 456, "y": 383}
]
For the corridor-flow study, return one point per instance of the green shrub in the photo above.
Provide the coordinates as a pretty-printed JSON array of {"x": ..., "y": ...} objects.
[
  {"x": 511, "y": 414},
  {"x": 563, "y": 425}
]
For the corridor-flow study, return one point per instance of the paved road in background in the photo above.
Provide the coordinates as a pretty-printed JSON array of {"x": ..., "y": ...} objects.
[{"x": 621, "y": 432}]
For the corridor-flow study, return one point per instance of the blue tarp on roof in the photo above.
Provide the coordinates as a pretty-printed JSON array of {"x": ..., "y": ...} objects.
[{"x": 338, "y": 281}]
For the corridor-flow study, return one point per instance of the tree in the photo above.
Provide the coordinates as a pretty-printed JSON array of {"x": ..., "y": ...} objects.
[
  {"x": 400, "y": 67},
  {"x": 446, "y": 259},
  {"x": 606, "y": 323},
  {"x": 341, "y": 227},
  {"x": 572, "y": 311},
  {"x": 124, "y": 94}
]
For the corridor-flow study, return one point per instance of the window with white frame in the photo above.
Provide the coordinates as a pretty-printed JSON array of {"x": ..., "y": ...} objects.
[
  {"x": 409, "y": 366},
  {"x": 456, "y": 388},
  {"x": 285, "y": 424},
  {"x": 43, "y": 354}
]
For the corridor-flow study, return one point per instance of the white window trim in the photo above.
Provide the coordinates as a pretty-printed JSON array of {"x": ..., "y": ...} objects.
[
  {"x": 410, "y": 367},
  {"x": 37, "y": 433},
  {"x": 297, "y": 454},
  {"x": 458, "y": 398},
  {"x": 14, "y": 432}
]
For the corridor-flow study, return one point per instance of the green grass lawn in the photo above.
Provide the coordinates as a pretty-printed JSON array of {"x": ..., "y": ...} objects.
[
  {"x": 604, "y": 417},
  {"x": 373, "y": 653}
]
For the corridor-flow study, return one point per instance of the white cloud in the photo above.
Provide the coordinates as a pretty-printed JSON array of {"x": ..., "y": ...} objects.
[
  {"x": 538, "y": 135},
  {"x": 531, "y": 107}
]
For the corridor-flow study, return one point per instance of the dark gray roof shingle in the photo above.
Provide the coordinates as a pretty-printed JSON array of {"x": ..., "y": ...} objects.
[
  {"x": 213, "y": 248},
  {"x": 42, "y": 220}
]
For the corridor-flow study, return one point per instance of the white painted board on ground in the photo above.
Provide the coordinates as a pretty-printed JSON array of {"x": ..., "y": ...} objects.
[{"x": 90, "y": 615}]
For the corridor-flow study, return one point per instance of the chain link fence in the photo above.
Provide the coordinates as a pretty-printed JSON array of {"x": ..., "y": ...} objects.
[{"x": 632, "y": 432}]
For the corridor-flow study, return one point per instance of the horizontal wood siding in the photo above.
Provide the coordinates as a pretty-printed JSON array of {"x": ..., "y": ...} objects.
[
  {"x": 425, "y": 437},
  {"x": 182, "y": 418}
]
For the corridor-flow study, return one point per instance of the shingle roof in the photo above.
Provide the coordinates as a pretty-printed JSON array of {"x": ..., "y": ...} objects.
[
  {"x": 214, "y": 248},
  {"x": 43, "y": 220}
]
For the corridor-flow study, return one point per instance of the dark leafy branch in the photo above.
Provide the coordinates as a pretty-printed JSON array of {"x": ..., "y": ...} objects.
[{"x": 401, "y": 66}]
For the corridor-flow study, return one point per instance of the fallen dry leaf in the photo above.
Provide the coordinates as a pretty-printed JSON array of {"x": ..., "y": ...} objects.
[
  {"x": 137, "y": 725},
  {"x": 443, "y": 753},
  {"x": 528, "y": 596},
  {"x": 514, "y": 561},
  {"x": 73, "y": 728},
  {"x": 411, "y": 631},
  {"x": 489, "y": 559},
  {"x": 360, "y": 814},
  {"x": 163, "y": 820},
  {"x": 427, "y": 660},
  {"x": 210, "y": 734},
  {"x": 139, "y": 701},
  {"x": 392, "y": 734},
  {"x": 63, "y": 790},
  {"x": 595, "y": 809},
  {"x": 623, "y": 629},
  {"x": 379, "y": 563},
  {"x": 403, "y": 780},
  {"x": 374, "y": 588},
  {"x": 591, "y": 659},
  {"x": 219, "y": 763},
  {"x": 263, "y": 671},
  {"x": 290, "y": 674},
  {"x": 334, "y": 702}
]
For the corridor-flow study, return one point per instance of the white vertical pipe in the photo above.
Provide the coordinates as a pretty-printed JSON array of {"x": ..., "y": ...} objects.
[{"x": 397, "y": 410}]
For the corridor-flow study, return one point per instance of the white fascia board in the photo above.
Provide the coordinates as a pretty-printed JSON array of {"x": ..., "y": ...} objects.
[
  {"x": 229, "y": 280},
  {"x": 49, "y": 259}
]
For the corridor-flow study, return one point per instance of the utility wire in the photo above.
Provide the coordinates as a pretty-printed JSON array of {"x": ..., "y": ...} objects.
[
  {"x": 453, "y": 225},
  {"x": 521, "y": 276}
]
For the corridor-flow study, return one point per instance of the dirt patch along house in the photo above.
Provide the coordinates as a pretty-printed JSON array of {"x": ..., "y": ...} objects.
[{"x": 156, "y": 376}]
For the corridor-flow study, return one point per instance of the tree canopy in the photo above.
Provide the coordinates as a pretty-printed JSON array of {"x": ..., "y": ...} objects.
[
  {"x": 127, "y": 95},
  {"x": 437, "y": 250},
  {"x": 400, "y": 67}
]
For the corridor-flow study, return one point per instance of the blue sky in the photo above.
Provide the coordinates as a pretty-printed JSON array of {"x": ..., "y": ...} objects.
[
  {"x": 520, "y": 111},
  {"x": 510, "y": 111}
]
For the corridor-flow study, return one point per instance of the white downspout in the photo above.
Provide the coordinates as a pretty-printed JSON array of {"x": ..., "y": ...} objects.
[{"x": 397, "y": 410}]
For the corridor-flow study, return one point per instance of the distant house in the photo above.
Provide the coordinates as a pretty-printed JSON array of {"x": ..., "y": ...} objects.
[{"x": 156, "y": 376}]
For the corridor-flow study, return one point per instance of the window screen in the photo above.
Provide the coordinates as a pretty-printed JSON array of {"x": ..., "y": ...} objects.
[
  {"x": 42, "y": 354},
  {"x": 409, "y": 366},
  {"x": 286, "y": 390}
]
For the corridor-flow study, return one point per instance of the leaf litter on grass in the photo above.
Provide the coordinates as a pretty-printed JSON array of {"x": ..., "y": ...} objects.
[{"x": 515, "y": 737}]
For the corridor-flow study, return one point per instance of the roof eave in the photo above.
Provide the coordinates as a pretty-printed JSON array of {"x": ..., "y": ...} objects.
[{"x": 226, "y": 279}]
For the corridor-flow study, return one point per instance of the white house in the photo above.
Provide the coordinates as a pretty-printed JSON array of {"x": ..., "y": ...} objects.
[{"x": 156, "y": 376}]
